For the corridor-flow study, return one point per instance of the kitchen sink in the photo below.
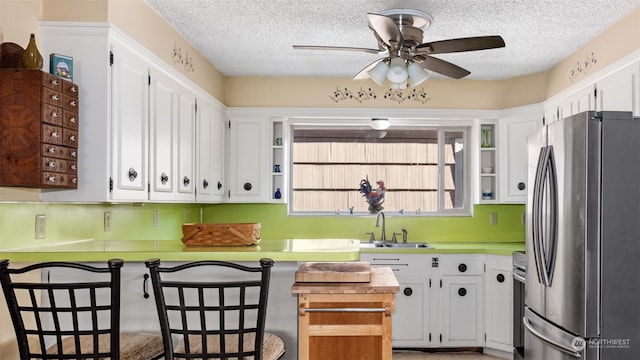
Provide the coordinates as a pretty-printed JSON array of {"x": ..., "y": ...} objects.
[
  {"x": 408, "y": 245},
  {"x": 371, "y": 245},
  {"x": 391, "y": 245}
]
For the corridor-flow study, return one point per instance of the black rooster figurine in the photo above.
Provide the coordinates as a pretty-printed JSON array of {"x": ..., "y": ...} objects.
[{"x": 375, "y": 198}]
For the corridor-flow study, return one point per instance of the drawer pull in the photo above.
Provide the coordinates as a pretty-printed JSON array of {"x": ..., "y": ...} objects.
[
  {"x": 52, "y": 150},
  {"x": 74, "y": 180},
  {"x": 54, "y": 134},
  {"x": 462, "y": 267},
  {"x": 52, "y": 179},
  {"x": 54, "y": 114},
  {"x": 74, "y": 167},
  {"x": 73, "y": 103},
  {"x": 72, "y": 120},
  {"x": 55, "y": 97},
  {"x": 54, "y": 82},
  {"x": 74, "y": 154},
  {"x": 72, "y": 138},
  {"x": 74, "y": 89},
  {"x": 52, "y": 164}
]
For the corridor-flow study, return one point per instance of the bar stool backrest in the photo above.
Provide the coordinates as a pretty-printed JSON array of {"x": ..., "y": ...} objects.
[{"x": 85, "y": 313}]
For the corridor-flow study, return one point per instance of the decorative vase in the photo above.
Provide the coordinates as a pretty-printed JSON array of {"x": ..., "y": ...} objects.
[
  {"x": 32, "y": 58},
  {"x": 277, "y": 194},
  {"x": 485, "y": 138}
]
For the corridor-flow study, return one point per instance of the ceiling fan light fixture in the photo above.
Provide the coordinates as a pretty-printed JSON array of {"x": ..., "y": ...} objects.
[
  {"x": 379, "y": 123},
  {"x": 379, "y": 72},
  {"x": 417, "y": 74},
  {"x": 397, "y": 71}
]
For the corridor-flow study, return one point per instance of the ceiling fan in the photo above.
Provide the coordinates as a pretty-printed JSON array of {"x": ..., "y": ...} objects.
[{"x": 406, "y": 59}]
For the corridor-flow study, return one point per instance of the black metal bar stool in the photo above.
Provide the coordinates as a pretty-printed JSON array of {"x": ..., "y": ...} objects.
[
  {"x": 215, "y": 310},
  {"x": 72, "y": 320}
]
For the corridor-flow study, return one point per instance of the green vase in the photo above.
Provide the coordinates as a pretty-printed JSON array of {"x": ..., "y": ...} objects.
[
  {"x": 485, "y": 138},
  {"x": 32, "y": 58}
]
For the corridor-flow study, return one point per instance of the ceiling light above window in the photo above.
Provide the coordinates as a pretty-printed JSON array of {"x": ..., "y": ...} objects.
[{"x": 380, "y": 123}]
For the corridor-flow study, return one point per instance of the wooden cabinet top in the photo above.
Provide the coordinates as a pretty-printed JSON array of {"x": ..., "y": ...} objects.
[{"x": 382, "y": 282}]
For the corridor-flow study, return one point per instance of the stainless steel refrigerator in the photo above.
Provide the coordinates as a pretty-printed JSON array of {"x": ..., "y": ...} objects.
[{"x": 582, "y": 290}]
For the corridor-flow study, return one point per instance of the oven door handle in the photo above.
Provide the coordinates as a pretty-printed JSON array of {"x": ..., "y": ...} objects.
[
  {"x": 542, "y": 337},
  {"x": 518, "y": 277}
]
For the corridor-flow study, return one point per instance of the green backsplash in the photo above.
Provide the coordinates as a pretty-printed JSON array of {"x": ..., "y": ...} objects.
[{"x": 135, "y": 222}]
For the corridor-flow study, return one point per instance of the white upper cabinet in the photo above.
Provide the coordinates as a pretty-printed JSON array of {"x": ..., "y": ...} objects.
[
  {"x": 129, "y": 113},
  {"x": 210, "y": 123},
  {"x": 619, "y": 90},
  {"x": 137, "y": 139},
  {"x": 248, "y": 168},
  {"x": 171, "y": 133},
  {"x": 514, "y": 126}
]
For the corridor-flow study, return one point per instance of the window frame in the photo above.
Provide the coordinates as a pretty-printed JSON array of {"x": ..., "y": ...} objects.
[{"x": 442, "y": 126}]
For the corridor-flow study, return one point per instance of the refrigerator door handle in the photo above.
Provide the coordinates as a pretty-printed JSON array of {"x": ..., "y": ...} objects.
[
  {"x": 553, "y": 216},
  {"x": 566, "y": 350},
  {"x": 536, "y": 215}
]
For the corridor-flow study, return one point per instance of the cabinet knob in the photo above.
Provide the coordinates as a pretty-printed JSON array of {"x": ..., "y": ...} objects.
[
  {"x": 408, "y": 291},
  {"x": 186, "y": 181},
  {"x": 72, "y": 138},
  {"x": 462, "y": 267},
  {"x": 54, "y": 114},
  {"x": 521, "y": 186},
  {"x": 52, "y": 164},
  {"x": 74, "y": 180},
  {"x": 52, "y": 179},
  {"x": 462, "y": 291},
  {"x": 205, "y": 184},
  {"x": 74, "y": 167},
  {"x": 74, "y": 154},
  {"x": 73, "y": 103},
  {"x": 72, "y": 120},
  {"x": 55, "y": 97},
  {"x": 500, "y": 278},
  {"x": 52, "y": 150},
  {"x": 164, "y": 178},
  {"x": 54, "y": 82},
  {"x": 54, "y": 134},
  {"x": 74, "y": 89},
  {"x": 247, "y": 186},
  {"x": 219, "y": 185},
  {"x": 133, "y": 174}
]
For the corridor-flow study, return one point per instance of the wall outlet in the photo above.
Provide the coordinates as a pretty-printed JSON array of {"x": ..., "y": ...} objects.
[
  {"x": 41, "y": 226},
  {"x": 155, "y": 218},
  {"x": 493, "y": 218},
  {"x": 107, "y": 221}
]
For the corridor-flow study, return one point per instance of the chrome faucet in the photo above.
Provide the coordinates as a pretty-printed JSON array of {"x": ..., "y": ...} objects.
[{"x": 383, "y": 237}]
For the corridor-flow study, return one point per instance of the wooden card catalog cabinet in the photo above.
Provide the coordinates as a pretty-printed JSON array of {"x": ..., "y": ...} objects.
[{"x": 38, "y": 130}]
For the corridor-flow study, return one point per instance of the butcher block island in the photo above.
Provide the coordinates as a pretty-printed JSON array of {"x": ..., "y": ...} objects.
[{"x": 344, "y": 310}]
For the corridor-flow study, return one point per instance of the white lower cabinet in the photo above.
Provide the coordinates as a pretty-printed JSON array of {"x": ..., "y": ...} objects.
[
  {"x": 410, "y": 327},
  {"x": 450, "y": 300},
  {"x": 499, "y": 303},
  {"x": 461, "y": 300}
]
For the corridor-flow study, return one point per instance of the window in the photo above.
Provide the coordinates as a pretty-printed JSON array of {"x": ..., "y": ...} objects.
[{"x": 424, "y": 169}]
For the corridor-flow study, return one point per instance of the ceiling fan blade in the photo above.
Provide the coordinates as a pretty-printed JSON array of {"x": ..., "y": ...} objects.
[
  {"x": 362, "y": 74},
  {"x": 461, "y": 44},
  {"x": 443, "y": 67},
  {"x": 339, "y": 48},
  {"x": 386, "y": 29}
]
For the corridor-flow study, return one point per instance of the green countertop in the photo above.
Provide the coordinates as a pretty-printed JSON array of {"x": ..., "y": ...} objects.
[{"x": 279, "y": 250}]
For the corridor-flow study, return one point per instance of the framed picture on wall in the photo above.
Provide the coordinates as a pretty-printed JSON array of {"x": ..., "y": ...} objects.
[{"x": 61, "y": 66}]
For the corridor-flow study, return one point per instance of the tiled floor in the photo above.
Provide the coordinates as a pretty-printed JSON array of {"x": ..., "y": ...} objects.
[{"x": 417, "y": 355}]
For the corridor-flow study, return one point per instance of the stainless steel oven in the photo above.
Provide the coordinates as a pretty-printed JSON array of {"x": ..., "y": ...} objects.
[{"x": 519, "y": 274}]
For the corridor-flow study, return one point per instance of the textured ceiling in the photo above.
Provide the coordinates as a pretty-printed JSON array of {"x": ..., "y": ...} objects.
[{"x": 255, "y": 37}]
